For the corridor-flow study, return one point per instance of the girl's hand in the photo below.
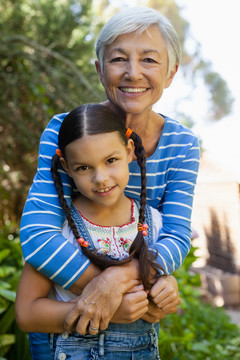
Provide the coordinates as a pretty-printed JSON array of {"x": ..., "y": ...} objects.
[
  {"x": 153, "y": 314},
  {"x": 164, "y": 293},
  {"x": 133, "y": 306}
]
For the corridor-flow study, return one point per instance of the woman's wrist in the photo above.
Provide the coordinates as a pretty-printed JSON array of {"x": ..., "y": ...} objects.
[{"x": 123, "y": 277}]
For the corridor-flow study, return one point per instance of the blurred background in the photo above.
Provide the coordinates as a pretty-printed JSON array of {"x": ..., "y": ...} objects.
[{"x": 47, "y": 67}]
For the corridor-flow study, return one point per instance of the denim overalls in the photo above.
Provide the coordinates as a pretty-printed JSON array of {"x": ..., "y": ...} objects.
[{"x": 135, "y": 341}]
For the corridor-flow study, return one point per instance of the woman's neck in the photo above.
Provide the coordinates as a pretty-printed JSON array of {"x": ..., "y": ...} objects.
[{"x": 148, "y": 125}]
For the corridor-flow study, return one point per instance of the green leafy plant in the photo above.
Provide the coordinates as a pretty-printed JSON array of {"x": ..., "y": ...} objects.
[
  {"x": 198, "y": 331},
  {"x": 13, "y": 343}
]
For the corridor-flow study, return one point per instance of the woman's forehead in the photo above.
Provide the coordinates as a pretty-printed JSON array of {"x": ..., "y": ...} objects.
[{"x": 150, "y": 40}]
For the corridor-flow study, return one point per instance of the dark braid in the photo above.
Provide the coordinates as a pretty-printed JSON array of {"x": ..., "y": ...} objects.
[
  {"x": 141, "y": 160},
  {"x": 94, "y": 119},
  {"x": 58, "y": 184},
  {"x": 139, "y": 248}
]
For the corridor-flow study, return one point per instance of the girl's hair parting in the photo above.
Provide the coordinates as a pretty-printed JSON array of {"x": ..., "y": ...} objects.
[{"x": 92, "y": 119}]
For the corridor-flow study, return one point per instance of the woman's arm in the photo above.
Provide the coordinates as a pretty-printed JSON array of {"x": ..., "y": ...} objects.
[
  {"x": 42, "y": 242},
  {"x": 174, "y": 241}
]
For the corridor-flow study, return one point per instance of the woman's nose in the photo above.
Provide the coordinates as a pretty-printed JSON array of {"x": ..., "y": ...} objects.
[{"x": 133, "y": 70}]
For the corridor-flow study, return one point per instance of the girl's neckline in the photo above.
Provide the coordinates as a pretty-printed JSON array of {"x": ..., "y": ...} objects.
[{"x": 133, "y": 219}]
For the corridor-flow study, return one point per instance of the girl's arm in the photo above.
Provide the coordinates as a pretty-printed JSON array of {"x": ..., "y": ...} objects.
[
  {"x": 33, "y": 310},
  {"x": 36, "y": 312}
]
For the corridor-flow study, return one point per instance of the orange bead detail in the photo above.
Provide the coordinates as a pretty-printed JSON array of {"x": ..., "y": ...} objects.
[
  {"x": 128, "y": 133},
  {"x": 58, "y": 152},
  {"x": 143, "y": 228}
]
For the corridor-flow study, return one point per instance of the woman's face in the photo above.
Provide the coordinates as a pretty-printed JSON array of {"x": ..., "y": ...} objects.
[{"x": 135, "y": 68}]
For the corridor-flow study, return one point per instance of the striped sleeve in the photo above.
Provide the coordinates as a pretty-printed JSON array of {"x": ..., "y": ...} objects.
[
  {"x": 171, "y": 178},
  {"x": 43, "y": 245},
  {"x": 174, "y": 240}
]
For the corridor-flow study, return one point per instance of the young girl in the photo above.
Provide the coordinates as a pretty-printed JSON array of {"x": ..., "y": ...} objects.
[{"x": 109, "y": 228}]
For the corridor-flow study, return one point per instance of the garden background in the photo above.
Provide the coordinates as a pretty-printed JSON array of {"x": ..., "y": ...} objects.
[{"x": 47, "y": 67}]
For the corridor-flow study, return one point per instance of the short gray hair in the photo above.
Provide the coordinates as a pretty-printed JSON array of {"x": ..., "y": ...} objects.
[{"x": 139, "y": 19}]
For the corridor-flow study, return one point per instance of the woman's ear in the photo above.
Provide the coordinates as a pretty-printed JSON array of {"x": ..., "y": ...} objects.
[
  {"x": 171, "y": 76},
  {"x": 130, "y": 150},
  {"x": 65, "y": 166},
  {"x": 99, "y": 71}
]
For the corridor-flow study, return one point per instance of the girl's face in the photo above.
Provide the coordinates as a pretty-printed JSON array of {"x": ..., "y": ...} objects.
[
  {"x": 98, "y": 165},
  {"x": 136, "y": 70}
]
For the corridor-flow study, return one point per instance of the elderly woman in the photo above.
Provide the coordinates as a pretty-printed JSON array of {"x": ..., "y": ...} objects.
[{"x": 138, "y": 56}]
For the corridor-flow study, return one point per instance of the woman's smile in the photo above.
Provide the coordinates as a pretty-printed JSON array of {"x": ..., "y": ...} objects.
[{"x": 132, "y": 90}]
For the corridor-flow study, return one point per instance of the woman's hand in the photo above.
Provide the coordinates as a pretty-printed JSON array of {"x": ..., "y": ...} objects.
[
  {"x": 101, "y": 298},
  {"x": 164, "y": 293}
]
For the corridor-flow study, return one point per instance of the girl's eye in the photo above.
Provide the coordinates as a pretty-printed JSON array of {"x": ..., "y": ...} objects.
[
  {"x": 82, "y": 168},
  {"x": 111, "y": 160}
]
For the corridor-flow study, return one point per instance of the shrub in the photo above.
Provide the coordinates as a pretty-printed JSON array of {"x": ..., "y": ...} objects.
[
  {"x": 13, "y": 343},
  {"x": 198, "y": 331}
]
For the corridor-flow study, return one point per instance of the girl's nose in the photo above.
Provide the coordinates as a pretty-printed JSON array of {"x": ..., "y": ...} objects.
[{"x": 100, "y": 176}]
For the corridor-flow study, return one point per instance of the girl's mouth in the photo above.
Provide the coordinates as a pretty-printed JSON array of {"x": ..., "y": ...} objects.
[{"x": 106, "y": 189}]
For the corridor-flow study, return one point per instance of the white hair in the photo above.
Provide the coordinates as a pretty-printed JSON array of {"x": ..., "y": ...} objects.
[{"x": 139, "y": 19}]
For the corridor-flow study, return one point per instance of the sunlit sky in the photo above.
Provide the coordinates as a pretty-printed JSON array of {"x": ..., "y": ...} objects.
[{"x": 215, "y": 25}]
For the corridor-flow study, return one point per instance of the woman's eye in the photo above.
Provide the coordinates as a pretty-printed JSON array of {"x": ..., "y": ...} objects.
[
  {"x": 118, "y": 59},
  {"x": 150, "y": 60}
]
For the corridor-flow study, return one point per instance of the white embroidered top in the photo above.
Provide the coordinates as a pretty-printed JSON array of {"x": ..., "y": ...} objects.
[{"x": 114, "y": 241}]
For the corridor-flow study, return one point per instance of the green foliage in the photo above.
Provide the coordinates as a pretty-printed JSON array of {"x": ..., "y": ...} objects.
[
  {"x": 13, "y": 343},
  {"x": 46, "y": 67},
  {"x": 198, "y": 331},
  {"x": 220, "y": 97}
]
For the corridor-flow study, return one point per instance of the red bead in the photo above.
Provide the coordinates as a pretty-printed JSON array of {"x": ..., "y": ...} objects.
[
  {"x": 80, "y": 241},
  {"x": 86, "y": 243},
  {"x": 145, "y": 226},
  {"x": 144, "y": 232}
]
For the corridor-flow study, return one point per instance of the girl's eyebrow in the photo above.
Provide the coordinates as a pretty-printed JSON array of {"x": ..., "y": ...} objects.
[
  {"x": 112, "y": 154},
  {"x": 74, "y": 163}
]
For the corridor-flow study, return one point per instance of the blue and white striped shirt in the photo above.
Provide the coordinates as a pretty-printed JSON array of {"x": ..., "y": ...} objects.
[{"x": 171, "y": 178}]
